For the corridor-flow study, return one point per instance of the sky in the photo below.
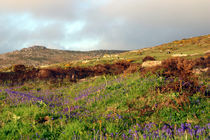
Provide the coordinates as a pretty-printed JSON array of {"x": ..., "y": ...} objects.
[{"x": 100, "y": 24}]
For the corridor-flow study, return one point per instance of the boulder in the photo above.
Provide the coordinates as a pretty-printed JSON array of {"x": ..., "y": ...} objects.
[
  {"x": 179, "y": 55},
  {"x": 151, "y": 63},
  {"x": 201, "y": 70},
  {"x": 207, "y": 52},
  {"x": 44, "y": 73}
]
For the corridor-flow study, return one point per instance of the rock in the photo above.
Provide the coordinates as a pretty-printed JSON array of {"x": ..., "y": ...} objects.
[
  {"x": 207, "y": 52},
  {"x": 44, "y": 66},
  {"x": 199, "y": 71},
  {"x": 194, "y": 54},
  {"x": 179, "y": 55},
  {"x": 151, "y": 63},
  {"x": 85, "y": 62},
  {"x": 44, "y": 73}
]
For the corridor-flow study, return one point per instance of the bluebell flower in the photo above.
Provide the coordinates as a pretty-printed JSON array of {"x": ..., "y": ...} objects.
[{"x": 144, "y": 136}]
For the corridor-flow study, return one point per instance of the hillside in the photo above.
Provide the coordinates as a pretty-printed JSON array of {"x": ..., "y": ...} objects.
[
  {"x": 40, "y": 55},
  {"x": 189, "y": 47},
  {"x": 97, "y": 62},
  {"x": 112, "y": 97},
  {"x": 194, "y": 47}
]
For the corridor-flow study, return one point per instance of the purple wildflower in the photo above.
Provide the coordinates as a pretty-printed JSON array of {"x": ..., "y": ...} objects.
[{"x": 144, "y": 136}]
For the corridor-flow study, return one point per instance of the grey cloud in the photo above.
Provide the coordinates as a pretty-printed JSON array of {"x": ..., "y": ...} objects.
[
  {"x": 14, "y": 37},
  {"x": 128, "y": 24},
  {"x": 58, "y": 9},
  {"x": 146, "y": 23}
]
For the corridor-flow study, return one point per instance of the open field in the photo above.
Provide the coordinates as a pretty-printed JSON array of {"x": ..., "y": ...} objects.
[{"x": 112, "y": 97}]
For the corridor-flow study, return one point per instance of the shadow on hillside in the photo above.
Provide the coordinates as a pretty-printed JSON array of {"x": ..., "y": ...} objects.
[
  {"x": 73, "y": 74},
  {"x": 177, "y": 67}
]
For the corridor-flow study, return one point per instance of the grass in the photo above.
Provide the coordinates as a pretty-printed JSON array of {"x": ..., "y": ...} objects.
[{"x": 98, "y": 108}]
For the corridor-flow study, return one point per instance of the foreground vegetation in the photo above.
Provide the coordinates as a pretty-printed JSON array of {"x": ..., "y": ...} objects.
[{"x": 107, "y": 107}]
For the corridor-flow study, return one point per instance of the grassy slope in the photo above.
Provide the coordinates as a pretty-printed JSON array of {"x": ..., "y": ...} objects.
[
  {"x": 196, "y": 46},
  {"x": 99, "y": 106}
]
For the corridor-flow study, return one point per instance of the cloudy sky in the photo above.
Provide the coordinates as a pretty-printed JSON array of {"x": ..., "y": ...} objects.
[{"x": 100, "y": 24}]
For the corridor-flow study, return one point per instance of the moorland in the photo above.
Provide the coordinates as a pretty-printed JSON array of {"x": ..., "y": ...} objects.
[{"x": 161, "y": 92}]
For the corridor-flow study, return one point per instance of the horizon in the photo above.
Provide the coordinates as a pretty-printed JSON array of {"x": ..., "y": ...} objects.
[
  {"x": 66, "y": 49},
  {"x": 100, "y": 25}
]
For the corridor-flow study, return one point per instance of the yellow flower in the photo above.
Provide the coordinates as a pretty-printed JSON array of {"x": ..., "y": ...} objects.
[{"x": 16, "y": 117}]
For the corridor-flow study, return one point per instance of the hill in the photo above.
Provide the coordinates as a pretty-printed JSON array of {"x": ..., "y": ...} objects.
[
  {"x": 40, "y": 55},
  {"x": 189, "y": 48}
]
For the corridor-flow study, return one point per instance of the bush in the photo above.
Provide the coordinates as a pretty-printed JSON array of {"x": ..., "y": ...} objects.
[{"x": 148, "y": 58}]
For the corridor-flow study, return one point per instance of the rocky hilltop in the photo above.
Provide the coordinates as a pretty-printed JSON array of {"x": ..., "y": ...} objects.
[{"x": 41, "y": 55}]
